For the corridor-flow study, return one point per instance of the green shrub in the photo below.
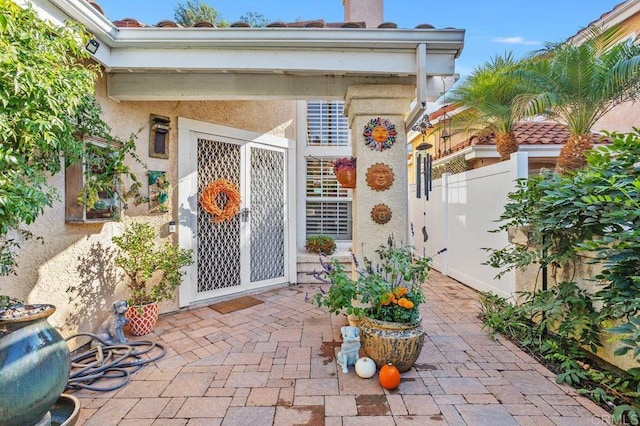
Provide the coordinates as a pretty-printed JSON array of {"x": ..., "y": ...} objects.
[{"x": 320, "y": 244}]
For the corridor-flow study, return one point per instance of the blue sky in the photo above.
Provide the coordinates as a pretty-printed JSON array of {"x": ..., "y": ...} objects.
[{"x": 492, "y": 26}]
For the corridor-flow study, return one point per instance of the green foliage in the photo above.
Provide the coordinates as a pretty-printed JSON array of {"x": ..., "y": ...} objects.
[
  {"x": 489, "y": 94},
  {"x": 389, "y": 289},
  {"x": 577, "y": 84},
  {"x": 105, "y": 168},
  {"x": 594, "y": 209},
  {"x": 142, "y": 259},
  {"x": 47, "y": 104},
  {"x": 321, "y": 244},
  {"x": 193, "y": 11}
]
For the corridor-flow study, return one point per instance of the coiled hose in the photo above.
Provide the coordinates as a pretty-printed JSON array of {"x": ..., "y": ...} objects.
[{"x": 107, "y": 361}]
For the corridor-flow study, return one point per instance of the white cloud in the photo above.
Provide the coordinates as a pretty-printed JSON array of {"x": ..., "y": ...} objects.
[{"x": 515, "y": 40}]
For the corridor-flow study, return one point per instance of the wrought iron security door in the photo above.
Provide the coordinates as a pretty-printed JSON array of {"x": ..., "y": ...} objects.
[{"x": 249, "y": 251}]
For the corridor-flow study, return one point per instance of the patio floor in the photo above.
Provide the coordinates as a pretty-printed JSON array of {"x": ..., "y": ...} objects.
[{"x": 274, "y": 364}]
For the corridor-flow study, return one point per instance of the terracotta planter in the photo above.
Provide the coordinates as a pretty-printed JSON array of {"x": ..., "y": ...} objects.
[
  {"x": 35, "y": 365},
  {"x": 392, "y": 342},
  {"x": 142, "y": 318},
  {"x": 346, "y": 177}
]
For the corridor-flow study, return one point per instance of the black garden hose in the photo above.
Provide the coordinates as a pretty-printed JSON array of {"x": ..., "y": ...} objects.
[{"x": 107, "y": 361}]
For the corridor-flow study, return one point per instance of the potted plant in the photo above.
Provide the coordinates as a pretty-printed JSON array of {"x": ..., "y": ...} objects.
[
  {"x": 321, "y": 244},
  {"x": 345, "y": 171},
  {"x": 386, "y": 294},
  {"x": 154, "y": 271}
]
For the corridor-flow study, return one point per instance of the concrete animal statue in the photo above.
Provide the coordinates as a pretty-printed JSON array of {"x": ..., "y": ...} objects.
[
  {"x": 349, "y": 353},
  {"x": 110, "y": 331}
]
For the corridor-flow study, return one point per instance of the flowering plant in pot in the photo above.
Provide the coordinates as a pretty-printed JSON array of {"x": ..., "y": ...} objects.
[
  {"x": 345, "y": 171},
  {"x": 386, "y": 294},
  {"x": 154, "y": 271}
]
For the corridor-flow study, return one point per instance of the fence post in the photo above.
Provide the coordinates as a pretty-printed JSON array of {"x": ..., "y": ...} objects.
[
  {"x": 445, "y": 225},
  {"x": 519, "y": 166}
]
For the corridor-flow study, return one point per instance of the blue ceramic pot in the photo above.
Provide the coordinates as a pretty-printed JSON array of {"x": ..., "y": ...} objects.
[{"x": 34, "y": 366}]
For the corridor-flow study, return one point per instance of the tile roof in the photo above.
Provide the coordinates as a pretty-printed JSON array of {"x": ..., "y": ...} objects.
[
  {"x": 526, "y": 133},
  {"x": 317, "y": 23}
]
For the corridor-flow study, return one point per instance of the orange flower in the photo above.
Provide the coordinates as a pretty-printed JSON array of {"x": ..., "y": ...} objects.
[
  {"x": 387, "y": 298},
  {"x": 400, "y": 291},
  {"x": 405, "y": 303}
]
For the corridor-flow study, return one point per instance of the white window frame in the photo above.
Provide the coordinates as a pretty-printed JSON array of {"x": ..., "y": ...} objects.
[{"x": 303, "y": 151}]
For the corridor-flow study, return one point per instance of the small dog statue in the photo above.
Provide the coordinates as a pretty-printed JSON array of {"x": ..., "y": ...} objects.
[
  {"x": 110, "y": 331},
  {"x": 350, "y": 347}
]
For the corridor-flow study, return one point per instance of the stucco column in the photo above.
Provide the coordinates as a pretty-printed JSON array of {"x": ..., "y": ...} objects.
[{"x": 364, "y": 103}]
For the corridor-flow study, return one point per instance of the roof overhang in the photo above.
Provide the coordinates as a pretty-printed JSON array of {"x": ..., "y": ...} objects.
[{"x": 264, "y": 63}]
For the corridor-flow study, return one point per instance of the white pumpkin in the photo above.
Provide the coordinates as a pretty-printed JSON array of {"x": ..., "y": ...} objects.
[{"x": 365, "y": 367}]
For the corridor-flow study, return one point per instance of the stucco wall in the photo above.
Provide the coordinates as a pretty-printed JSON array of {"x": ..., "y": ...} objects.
[{"x": 72, "y": 266}]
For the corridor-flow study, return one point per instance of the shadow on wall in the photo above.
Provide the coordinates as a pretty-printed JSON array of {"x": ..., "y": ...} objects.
[{"x": 90, "y": 301}]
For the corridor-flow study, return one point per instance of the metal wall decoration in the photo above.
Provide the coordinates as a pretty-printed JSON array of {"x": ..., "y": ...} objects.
[
  {"x": 159, "y": 188},
  {"x": 380, "y": 177},
  {"x": 381, "y": 214},
  {"x": 379, "y": 134}
]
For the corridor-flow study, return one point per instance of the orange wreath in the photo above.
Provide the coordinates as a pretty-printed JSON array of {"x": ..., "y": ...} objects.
[{"x": 209, "y": 197}]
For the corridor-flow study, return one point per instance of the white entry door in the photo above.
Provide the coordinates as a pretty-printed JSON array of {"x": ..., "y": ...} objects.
[{"x": 251, "y": 250}]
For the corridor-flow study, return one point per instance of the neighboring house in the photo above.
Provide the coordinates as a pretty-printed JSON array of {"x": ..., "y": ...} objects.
[
  {"x": 231, "y": 103},
  {"x": 542, "y": 140},
  {"x": 624, "y": 117}
]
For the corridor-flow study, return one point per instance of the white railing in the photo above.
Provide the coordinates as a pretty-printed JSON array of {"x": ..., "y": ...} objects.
[{"x": 458, "y": 216}]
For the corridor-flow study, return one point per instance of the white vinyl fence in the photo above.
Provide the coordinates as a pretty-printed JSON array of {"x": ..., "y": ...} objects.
[{"x": 458, "y": 216}]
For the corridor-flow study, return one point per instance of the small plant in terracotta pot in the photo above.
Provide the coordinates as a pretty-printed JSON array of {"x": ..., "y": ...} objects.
[
  {"x": 154, "y": 270},
  {"x": 345, "y": 171}
]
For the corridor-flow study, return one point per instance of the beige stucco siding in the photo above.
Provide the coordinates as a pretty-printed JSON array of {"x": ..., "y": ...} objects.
[{"x": 72, "y": 267}]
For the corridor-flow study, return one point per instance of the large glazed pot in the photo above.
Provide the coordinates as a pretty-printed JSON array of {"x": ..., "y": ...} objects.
[
  {"x": 392, "y": 342},
  {"x": 142, "y": 318},
  {"x": 34, "y": 365}
]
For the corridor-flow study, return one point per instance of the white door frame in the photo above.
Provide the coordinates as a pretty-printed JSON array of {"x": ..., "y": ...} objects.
[{"x": 188, "y": 199}]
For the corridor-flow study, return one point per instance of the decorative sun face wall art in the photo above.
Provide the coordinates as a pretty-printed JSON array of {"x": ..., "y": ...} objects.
[
  {"x": 381, "y": 214},
  {"x": 380, "y": 134},
  {"x": 380, "y": 177}
]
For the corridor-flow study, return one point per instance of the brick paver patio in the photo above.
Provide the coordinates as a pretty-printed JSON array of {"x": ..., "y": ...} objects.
[{"x": 274, "y": 364}]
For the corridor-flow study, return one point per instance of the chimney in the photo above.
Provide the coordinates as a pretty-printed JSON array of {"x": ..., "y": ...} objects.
[{"x": 369, "y": 11}]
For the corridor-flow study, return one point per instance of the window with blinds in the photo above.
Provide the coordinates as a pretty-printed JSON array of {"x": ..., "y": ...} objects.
[{"x": 326, "y": 126}]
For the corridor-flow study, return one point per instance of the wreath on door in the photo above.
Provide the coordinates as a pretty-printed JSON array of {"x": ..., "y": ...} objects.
[{"x": 209, "y": 200}]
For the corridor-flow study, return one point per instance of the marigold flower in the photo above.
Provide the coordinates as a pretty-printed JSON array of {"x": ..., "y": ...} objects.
[
  {"x": 400, "y": 291},
  {"x": 387, "y": 298},
  {"x": 405, "y": 303}
]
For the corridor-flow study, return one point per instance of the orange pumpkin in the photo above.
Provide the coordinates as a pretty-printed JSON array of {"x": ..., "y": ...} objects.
[{"x": 389, "y": 376}]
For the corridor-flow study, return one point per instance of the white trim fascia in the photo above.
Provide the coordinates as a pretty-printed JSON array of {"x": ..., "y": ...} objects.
[
  {"x": 621, "y": 13},
  {"x": 449, "y": 40},
  {"x": 87, "y": 15}
]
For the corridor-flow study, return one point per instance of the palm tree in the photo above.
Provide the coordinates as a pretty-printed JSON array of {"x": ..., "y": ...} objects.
[
  {"x": 577, "y": 84},
  {"x": 488, "y": 98}
]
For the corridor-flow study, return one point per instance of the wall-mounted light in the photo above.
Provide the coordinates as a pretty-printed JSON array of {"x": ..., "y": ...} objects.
[
  {"x": 92, "y": 46},
  {"x": 159, "y": 136},
  {"x": 172, "y": 226}
]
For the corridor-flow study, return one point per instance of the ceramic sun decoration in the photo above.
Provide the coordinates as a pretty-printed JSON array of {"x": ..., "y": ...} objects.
[
  {"x": 381, "y": 214},
  {"x": 380, "y": 134},
  {"x": 380, "y": 177}
]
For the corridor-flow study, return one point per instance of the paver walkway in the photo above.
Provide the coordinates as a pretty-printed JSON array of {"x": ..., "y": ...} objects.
[{"x": 274, "y": 364}]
